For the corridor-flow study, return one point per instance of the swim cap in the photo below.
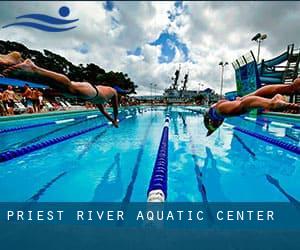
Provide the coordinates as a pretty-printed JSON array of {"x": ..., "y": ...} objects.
[{"x": 211, "y": 124}]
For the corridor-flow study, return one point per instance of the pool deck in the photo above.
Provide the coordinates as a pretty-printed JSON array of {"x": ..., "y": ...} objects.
[
  {"x": 281, "y": 115},
  {"x": 79, "y": 111},
  {"x": 45, "y": 114}
]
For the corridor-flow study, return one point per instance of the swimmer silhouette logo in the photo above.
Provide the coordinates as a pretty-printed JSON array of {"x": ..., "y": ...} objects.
[{"x": 40, "y": 21}]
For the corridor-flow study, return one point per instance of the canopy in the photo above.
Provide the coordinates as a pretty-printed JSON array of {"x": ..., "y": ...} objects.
[{"x": 18, "y": 83}]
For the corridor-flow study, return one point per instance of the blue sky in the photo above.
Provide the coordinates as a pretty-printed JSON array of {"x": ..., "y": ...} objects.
[
  {"x": 148, "y": 40},
  {"x": 168, "y": 41}
]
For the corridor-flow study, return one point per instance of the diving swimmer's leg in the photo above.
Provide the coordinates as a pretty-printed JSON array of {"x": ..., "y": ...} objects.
[
  {"x": 282, "y": 89},
  {"x": 29, "y": 66},
  {"x": 246, "y": 103}
]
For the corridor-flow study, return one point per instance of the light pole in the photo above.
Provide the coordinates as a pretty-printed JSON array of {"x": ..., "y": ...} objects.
[
  {"x": 222, "y": 64},
  {"x": 155, "y": 85},
  {"x": 259, "y": 38}
]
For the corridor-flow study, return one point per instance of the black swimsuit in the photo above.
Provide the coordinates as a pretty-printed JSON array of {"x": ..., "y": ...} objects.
[{"x": 97, "y": 93}]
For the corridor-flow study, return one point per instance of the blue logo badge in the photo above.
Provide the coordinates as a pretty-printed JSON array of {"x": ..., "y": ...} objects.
[{"x": 56, "y": 22}]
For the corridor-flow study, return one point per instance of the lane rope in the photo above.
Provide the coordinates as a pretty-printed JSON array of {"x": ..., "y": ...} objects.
[
  {"x": 158, "y": 186},
  {"x": 11, "y": 154}
]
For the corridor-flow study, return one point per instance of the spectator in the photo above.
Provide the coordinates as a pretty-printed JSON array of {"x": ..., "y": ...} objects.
[
  {"x": 9, "y": 98},
  {"x": 41, "y": 100},
  {"x": 27, "y": 95},
  {"x": 35, "y": 100},
  {"x": 3, "y": 110}
]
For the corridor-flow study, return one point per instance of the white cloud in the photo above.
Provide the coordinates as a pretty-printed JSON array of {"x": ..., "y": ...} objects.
[{"x": 212, "y": 32}]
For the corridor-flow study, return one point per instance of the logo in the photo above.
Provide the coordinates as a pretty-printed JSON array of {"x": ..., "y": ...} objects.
[{"x": 57, "y": 24}]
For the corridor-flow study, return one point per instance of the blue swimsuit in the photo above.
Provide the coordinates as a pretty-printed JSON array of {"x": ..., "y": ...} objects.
[{"x": 214, "y": 115}]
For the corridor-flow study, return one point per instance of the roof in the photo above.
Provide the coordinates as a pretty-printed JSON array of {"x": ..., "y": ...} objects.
[{"x": 18, "y": 83}]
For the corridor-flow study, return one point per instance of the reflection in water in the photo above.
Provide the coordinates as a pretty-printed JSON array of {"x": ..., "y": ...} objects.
[
  {"x": 244, "y": 145},
  {"x": 110, "y": 189},
  {"x": 219, "y": 142},
  {"x": 88, "y": 145},
  {"x": 211, "y": 177},
  {"x": 135, "y": 170},
  {"x": 197, "y": 167},
  {"x": 276, "y": 184}
]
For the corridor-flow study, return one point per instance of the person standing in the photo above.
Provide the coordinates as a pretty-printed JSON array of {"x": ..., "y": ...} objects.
[
  {"x": 41, "y": 100},
  {"x": 35, "y": 100},
  {"x": 3, "y": 110},
  {"x": 9, "y": 98},
  {"x": 27, "y": 95}
]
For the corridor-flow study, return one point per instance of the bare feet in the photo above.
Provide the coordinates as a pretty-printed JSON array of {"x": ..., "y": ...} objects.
[
  {"x": 279, "y": 104},
  {"x": 27, "y": 66},
  {"x": 115, "y": 123},
  {"x": 296, "y": 85},
  {"x": 11, "y": 59}
]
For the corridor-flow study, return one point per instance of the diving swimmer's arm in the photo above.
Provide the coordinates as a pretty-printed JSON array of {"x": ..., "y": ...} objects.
[
  {"x": 115, "y": 105},
  {"x": 104, "y": 112}
]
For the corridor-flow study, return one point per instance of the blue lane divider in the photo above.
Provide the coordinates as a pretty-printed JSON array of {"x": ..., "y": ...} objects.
[
  {"x": 287, "y": 146},
  {"x": 6, "y": 130},
  {"x": 157, "y": 191},
  {"x": 262, "y": 121},
  {"x": 11, "y": 154}
]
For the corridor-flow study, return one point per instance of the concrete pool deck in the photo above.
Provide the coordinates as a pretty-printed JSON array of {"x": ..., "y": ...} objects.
[
  {"x": 46, "y": 114},
  {"x": 281, "y": 115}
]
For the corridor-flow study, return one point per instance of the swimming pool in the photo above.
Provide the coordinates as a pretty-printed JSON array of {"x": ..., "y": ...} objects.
[{"x": 115, "y": 165}]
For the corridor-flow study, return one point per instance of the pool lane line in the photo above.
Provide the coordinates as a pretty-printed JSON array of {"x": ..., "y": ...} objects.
[
  {"x": 57, "y": 122},
  {"x": 104, "y": 178},
  {"x": 40, "y": 192},
  {"x": 199, "y": 174},
  {"x": 40, "y": 137},
  {"x": 136, "y": 167},
  {"x": 244, "y": 145},
  {"x": 281, "y": 144},
  {"x": 92, "y": 141},
  {"x": 158, "y": 186},
  {"x": 250, "y": 119},
  {"x": 48, "y": 185},
  {"x": 88, "y": 145},
  {"x": 197, "y": 167},
  {"x": 11, "y": 154},
  {"x": 276, "y": 184}
]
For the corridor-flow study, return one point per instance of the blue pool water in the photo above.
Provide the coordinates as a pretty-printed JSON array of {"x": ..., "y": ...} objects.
[{"x": 110, "y": 164}]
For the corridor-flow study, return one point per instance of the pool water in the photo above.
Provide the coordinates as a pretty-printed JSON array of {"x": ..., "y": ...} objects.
[{"x": 115, "y": 165}]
